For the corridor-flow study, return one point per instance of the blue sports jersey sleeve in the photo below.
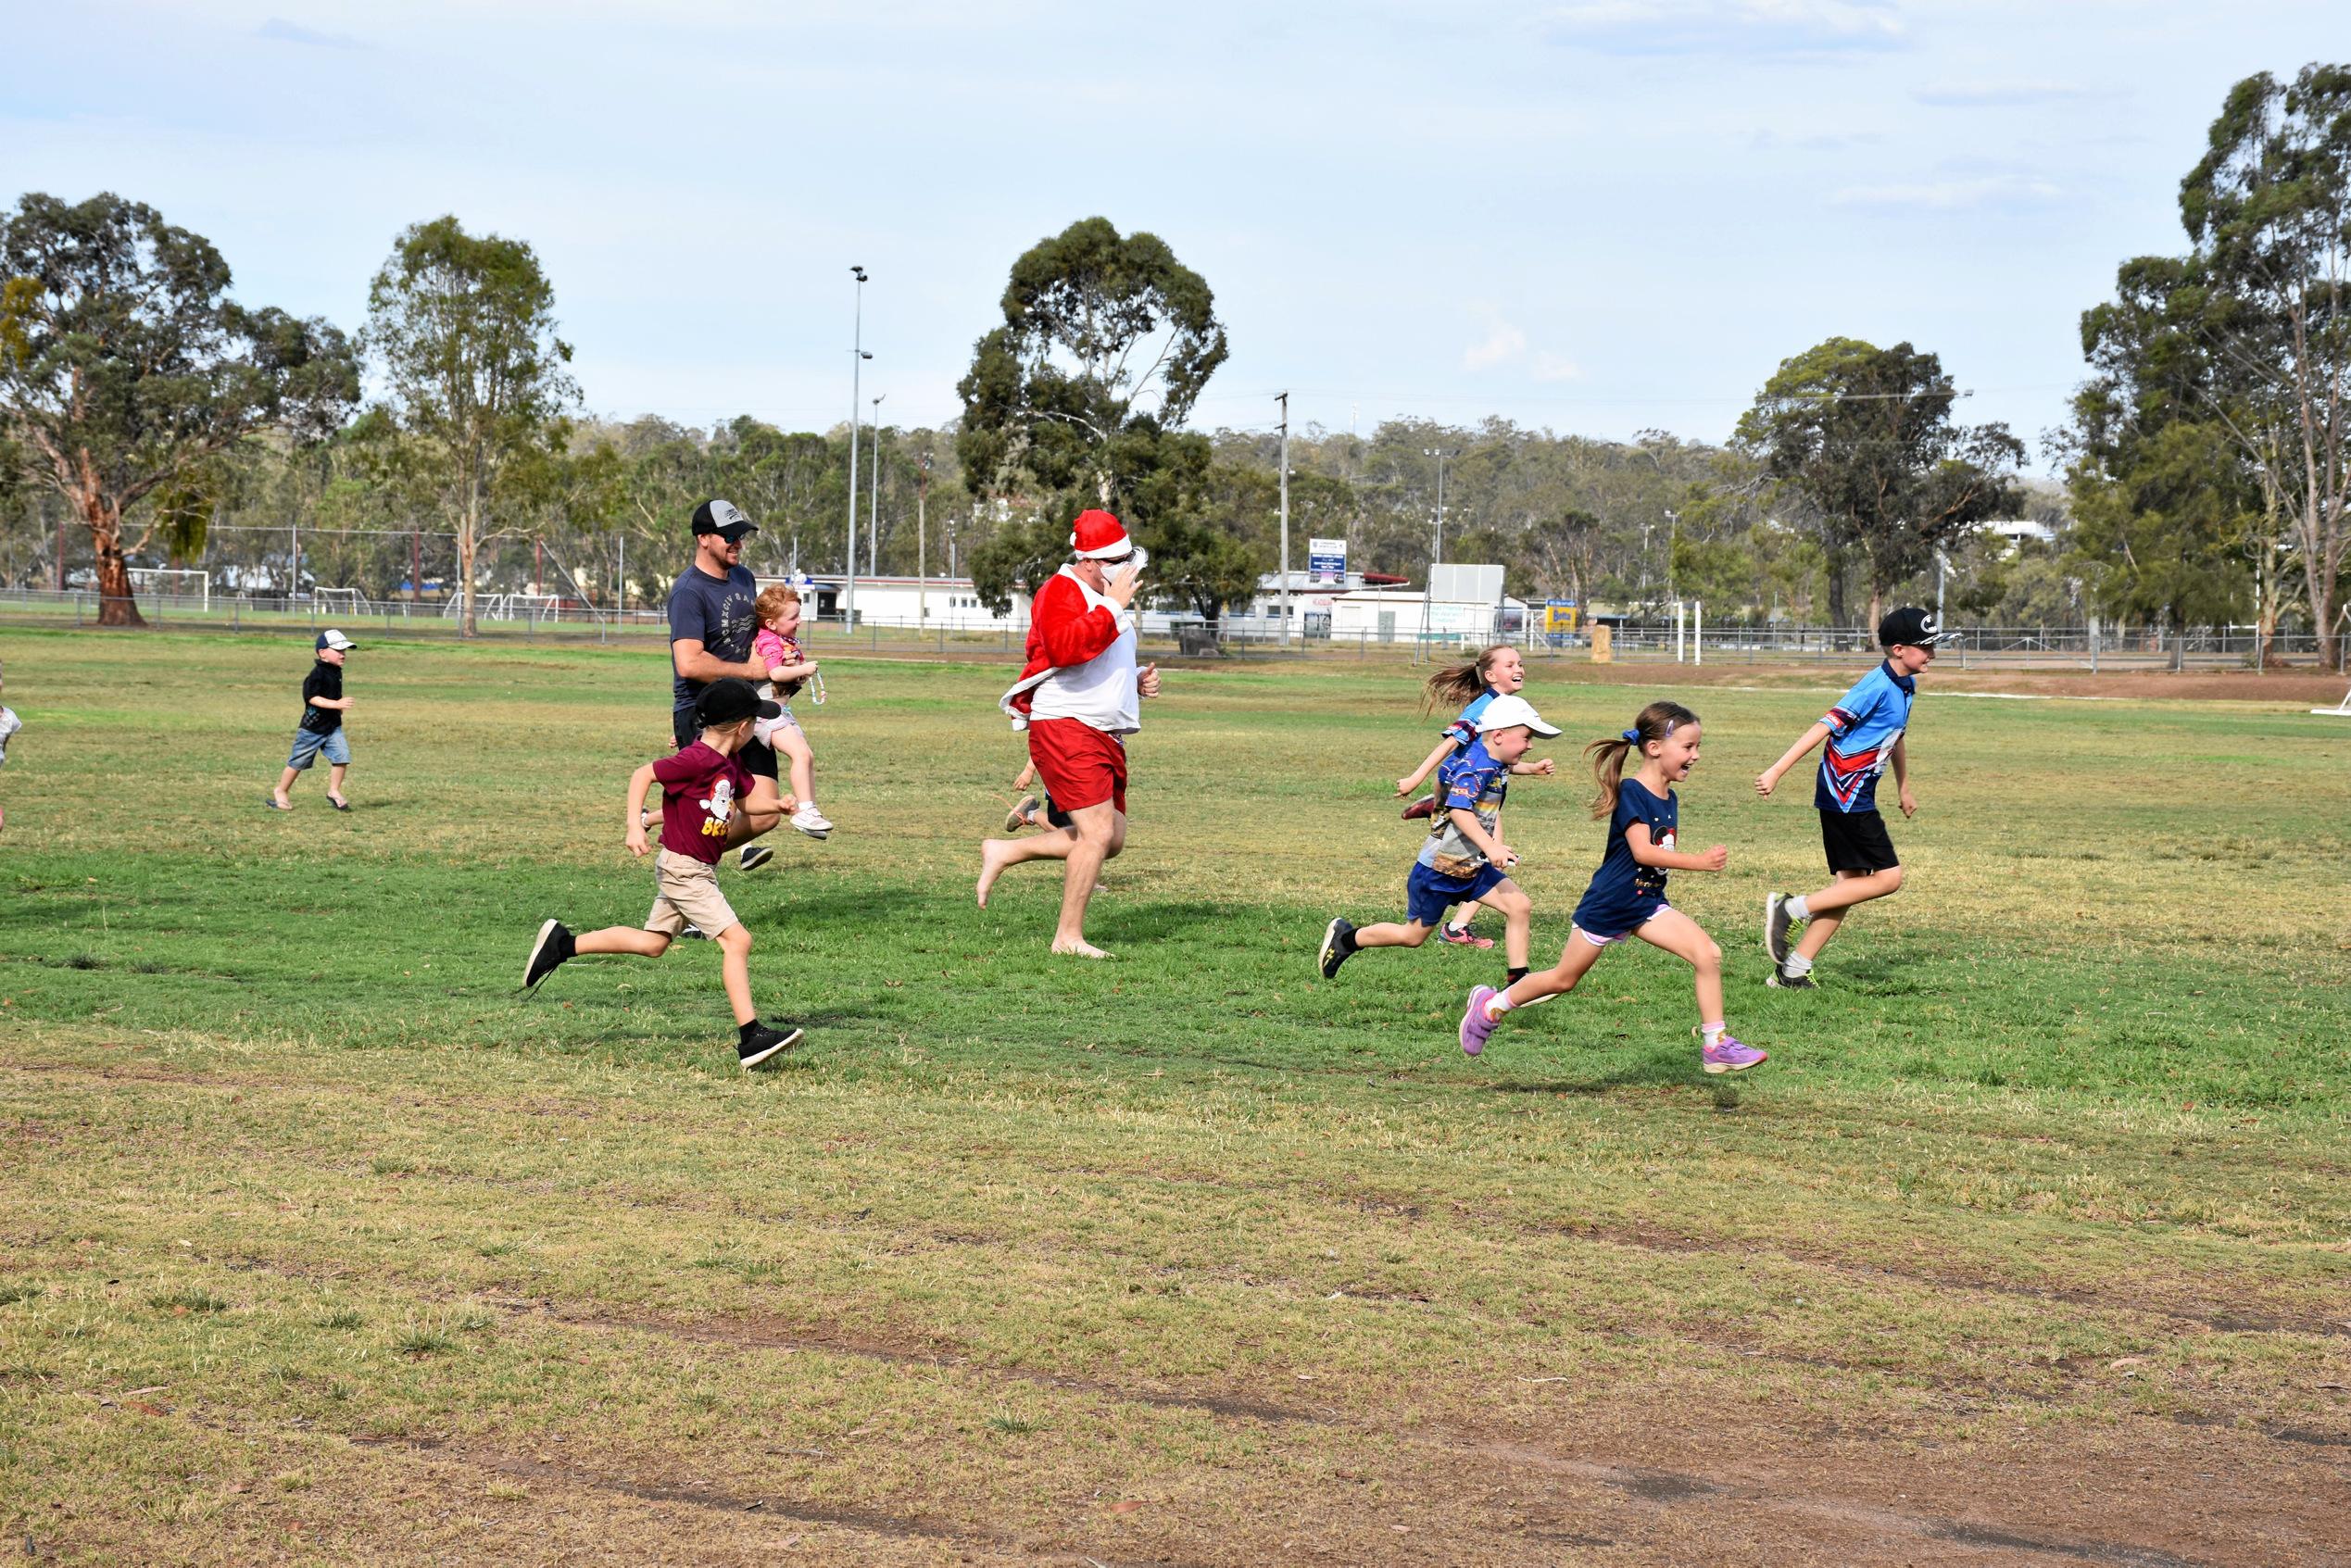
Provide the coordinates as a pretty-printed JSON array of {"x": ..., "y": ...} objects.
[
  {"x": 1855, "y": 706},
  {"x": 1464, "y": 729},
  {"x": 1465, "y": 778}
]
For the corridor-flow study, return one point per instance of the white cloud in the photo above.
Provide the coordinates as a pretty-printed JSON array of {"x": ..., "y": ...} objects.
[
  {"x": 279, "y": 31},
  {"x": 1502, "y": 345},
  {"x": 1953, "y": 196},
  {"x": 1556, "y": 367},
  {"x": 2005, "y": 94},
  {"x": 1690, "y": 27}
]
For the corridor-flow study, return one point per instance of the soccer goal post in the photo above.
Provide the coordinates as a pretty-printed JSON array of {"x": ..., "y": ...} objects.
[
  {"x": 179, "y": 582},
  {"x": 350, "y": 601}
]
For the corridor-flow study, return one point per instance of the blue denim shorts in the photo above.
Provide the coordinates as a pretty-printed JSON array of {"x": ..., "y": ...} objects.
[
  {"x": 308, "y": 744},
  {"x": 1429, "y": 895}
]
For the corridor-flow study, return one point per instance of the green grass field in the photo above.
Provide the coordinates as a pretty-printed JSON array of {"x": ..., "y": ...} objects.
[{"x": 321, "y": 1244}]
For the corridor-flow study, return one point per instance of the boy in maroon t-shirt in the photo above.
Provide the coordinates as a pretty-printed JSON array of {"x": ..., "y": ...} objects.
[{"x": 705, "y": 807}]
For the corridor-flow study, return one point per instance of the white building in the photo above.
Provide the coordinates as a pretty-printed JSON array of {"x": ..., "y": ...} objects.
[
  {"x": 2017, "y": 531},
  {"x": 928, "y": 602},
  {"x": 1398, "y": 615}
]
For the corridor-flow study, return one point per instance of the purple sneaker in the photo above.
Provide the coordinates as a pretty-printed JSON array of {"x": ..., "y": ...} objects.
[
  {"x": 1474, "y": 1024},
  {"x": 1729, "y": 1056}
]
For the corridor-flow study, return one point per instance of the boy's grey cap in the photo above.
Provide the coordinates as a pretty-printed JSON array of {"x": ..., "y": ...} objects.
[{"x": 330, "y": 638}]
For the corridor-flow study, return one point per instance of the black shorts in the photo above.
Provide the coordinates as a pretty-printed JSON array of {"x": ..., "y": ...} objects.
[
  {"x": 1856, "y": 841},
  {"x": 758, "y": 758}
]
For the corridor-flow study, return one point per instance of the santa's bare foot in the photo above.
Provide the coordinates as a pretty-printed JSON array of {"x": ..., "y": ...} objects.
[
  {"x": 1080, "y": 948},
  {"x": 995, "y": 855}
]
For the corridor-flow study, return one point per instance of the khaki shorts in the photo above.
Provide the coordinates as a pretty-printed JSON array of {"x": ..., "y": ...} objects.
[{"x": 687, "y": 890}]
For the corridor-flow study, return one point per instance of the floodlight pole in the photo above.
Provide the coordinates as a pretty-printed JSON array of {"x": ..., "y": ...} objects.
[
  {"x": 856, "y": 363},
  {"x": 922, "y": 577},
  {"x": 1437, "y": 550},
  {"x": 874, "y": 519},
  {"x": 1284, "y": 400}
]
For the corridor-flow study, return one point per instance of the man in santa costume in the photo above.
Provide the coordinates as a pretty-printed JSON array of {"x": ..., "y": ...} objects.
[{"x": 1078, "y": 698}]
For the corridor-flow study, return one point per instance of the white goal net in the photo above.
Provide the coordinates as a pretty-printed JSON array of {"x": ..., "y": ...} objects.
[
  {"x": 176, "y": 581},
  {"x": 346, "y": 601}
]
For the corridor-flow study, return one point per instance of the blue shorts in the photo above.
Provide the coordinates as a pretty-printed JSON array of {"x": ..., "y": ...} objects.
[
  {"x": 1617, "y": 918},
  {"x": 308, "y": 744},
  {"x": 1429, "y": 895}
]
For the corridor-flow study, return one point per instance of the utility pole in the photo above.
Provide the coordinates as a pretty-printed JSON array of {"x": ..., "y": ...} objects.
[
  {"x": 922, "y": 576},
  {"x": 1437, "y": 549},
  {"x": 1284, "y": 399},
  {"x": 856, "y": 363},
  {"x": 874, "y": 519}
]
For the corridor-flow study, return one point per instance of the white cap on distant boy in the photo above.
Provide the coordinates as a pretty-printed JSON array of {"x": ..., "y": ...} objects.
[{"x": 1505, "y": 713}]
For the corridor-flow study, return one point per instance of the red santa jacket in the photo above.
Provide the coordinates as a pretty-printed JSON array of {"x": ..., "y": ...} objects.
[{"x": 1068, "y": 624}]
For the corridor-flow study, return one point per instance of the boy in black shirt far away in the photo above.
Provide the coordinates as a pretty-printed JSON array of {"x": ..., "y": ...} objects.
[{"x": 323, "y": 706}]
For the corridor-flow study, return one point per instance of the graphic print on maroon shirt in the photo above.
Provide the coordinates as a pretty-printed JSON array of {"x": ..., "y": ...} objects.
[{"x": 698, "y": 790}]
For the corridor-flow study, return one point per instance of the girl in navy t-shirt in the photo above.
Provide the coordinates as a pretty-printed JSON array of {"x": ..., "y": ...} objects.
[{"x": 1628, "y": 894}]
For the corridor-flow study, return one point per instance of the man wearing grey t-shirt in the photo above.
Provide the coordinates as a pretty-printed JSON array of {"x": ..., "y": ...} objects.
[{"x": 711, "y": 624}]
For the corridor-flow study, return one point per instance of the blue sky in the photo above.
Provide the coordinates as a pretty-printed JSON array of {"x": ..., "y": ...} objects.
[{"x": 1596, "y": 216}]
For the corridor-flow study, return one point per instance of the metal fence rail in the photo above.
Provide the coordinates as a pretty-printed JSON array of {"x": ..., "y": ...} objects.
[{"x": 2065, "y": 648}]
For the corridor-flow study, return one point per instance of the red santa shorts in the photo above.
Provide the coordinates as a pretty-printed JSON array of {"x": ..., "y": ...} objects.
[{"x": 1080, "y": 765}]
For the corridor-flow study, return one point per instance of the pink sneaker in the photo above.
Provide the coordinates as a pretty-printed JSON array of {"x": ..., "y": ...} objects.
[
  {"x": 1731, "y": 1056},
  {"x": 1474, "y": 1025},
  {"x": 1462, "y": 936}
]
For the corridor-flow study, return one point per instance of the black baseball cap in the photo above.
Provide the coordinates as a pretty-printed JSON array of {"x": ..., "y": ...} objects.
[
  {"x": 729, "y": 698},
  {"x": 1911, "y": 626},
  {"x": 723, "y": 518}
]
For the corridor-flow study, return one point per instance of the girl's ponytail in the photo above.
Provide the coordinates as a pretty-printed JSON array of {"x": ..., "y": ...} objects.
[
  {"x": 1457, "y": 684},
  {"x": 1657, "y": 722}
]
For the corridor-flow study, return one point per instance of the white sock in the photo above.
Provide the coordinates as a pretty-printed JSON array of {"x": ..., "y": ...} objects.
[
  {"x": 1498, "y": 1004},
  {"x": 1797, "y": 909},
  {"x": 1712, "y": 1033},
  {"x": 1797, "y": 964}
]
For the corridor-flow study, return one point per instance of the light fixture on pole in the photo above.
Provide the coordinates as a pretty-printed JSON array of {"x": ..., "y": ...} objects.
[
  {"x": 1283, "y": 399},
  {"x": 856, "y": 363},
  {"x": 874, "y": 518}
]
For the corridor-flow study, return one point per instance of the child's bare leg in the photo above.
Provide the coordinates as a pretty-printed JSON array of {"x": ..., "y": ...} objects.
[
  {"x": 1683, "y": 938},
  {"x": 1575, "y": 961},
  {"x": 627, "y": 939},
  {"x": 1390, "y": 933},
  {"x": 735, "y": 970},
  {"x": 334, "y": 779},
  {"x": 793, "y": 743},
  {"x": 1509, "y": 900},
  {"x": 1829, "y": 905},
  {"x": 285, "y": 782}
]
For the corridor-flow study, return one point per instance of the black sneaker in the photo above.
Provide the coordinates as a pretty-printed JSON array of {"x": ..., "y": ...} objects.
[
  {"x": 1334, "y": 953},
  {"x": 548, "y": 954},
  {"x": 1776, "y": 924},
  {"x": 1784, "y": 981},
  {"x": 764, "y": 1045},
  {"x": 756, "y": 855},
  {"x": 690, "y": 932}
]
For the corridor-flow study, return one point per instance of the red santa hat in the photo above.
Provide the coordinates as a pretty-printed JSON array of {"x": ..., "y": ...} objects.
[{"x": 1097, "y": 535}]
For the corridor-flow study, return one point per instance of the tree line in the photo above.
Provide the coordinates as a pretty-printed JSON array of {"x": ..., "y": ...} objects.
[{"x": 2204, "y": 459}]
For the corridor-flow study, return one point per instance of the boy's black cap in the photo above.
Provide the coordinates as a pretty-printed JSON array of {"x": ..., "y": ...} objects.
[
  {"x": 1912, "y": 626},
  {"x": 730, "y": 698},
  {"x": 723, "y": 518}
]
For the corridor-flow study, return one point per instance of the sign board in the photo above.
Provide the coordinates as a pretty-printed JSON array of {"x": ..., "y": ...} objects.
[
  {"x": 1466, "y": 584},
  {"x": 1327, "y": 560},
  {"x": 1561, "y": 615}
]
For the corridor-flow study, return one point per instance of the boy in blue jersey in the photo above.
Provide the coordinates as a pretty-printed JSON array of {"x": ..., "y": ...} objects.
[
  {"x": 1864, "y": 733},
  {"x": 1464, "y": 860}
]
